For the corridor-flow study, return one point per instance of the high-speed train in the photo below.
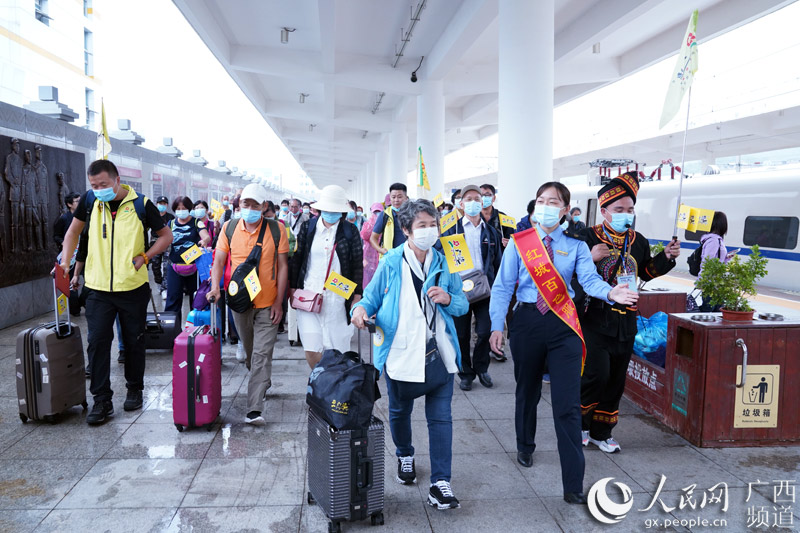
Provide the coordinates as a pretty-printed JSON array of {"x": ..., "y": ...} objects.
[{"x": 763, "y": 207}]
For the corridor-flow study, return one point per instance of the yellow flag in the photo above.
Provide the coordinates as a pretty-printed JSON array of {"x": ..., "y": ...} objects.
[
  {"x": 103, "y": 142},
  {"x": 437, "y": 200},
  {"x": 692, "y": 224},
  {"x": 423, "y": 176},
  {"x": 252, "y": 284},
  {"x": 456, "y": 252},
  {"x": 338, "y": 284},
  {"x": 683, "y": 216},
  {"x": 448, "y": 221},
  {"x": 191, "y": 255},
  {"x": 62, "y": 303},
  {"x": 507, "y": 221},
  {"x": 704, "y": 219}
]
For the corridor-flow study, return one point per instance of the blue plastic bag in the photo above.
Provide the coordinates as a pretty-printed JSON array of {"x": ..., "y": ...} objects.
[{"x": 651, "y": 339}]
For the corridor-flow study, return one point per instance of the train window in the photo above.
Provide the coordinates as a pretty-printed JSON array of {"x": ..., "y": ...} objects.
[
  {"x": 771, "y": 232},
  {"x": 693, "y": 235}
]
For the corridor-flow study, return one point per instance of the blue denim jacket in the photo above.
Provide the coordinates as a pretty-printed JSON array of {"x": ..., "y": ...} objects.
[{"x": 382, "y": 298}]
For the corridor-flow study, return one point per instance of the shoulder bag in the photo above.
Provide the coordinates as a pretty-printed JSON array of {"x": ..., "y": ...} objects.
[{"x": 310, "y": 301}]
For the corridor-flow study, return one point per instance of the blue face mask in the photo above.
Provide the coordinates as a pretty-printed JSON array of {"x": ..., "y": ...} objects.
[
  {"x": 226, "y": 203},
  {"x": 351, "y": 215},
  {"x": 472, "y": 208},
  {"x": 576, "y": 218},
  {"x": 331, "y": 218},
  {"x": 546, "y": 215},
  {"x": 199, "y": 213},
  {"x": 445, "y": 212},
  {"x": 394, "y": 209},
  {"x": 564, "y": 225},
  {"x": 105, "y": 195},
  {"x": 251, "y": 216},
  {"x": 487, "y": 201},
  {"x": 620, "y": 222},
  {"x": 236, "y": 215},
  {"x": 182, "y": 213},
  {"x": 161, "y": 208},
  {"x": 284, "y": 208}
]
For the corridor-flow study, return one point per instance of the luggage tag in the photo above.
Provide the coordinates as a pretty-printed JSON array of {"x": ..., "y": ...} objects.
[{"x": 630, "y": 279}]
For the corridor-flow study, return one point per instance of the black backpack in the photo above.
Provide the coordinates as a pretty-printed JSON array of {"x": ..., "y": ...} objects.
[
  {"x": 238, "y": 298},
  {"x": 696, "y": 259}
]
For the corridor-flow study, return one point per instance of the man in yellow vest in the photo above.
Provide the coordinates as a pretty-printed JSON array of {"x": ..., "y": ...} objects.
[
  {"x": 387, "y": 234},
  {"x": 116, "y": 278}
]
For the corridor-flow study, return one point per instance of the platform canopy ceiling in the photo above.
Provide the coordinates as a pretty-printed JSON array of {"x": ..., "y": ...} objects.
[{"x": 343, "y": 56}]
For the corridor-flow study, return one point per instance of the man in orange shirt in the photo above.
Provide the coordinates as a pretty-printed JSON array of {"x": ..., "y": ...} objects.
[{"x": 258, "y": 326}]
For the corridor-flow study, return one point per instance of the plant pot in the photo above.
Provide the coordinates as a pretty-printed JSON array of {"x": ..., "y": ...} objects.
[{"x": 737, "y": 316}]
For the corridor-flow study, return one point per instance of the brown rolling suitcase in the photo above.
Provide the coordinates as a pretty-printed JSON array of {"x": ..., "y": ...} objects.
[{"x": 50, "y": 369}]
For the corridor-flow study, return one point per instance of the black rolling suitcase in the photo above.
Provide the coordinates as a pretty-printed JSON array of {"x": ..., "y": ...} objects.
[
  {"x": 346, "y": 468},
  {"x": 161, "y": 329},
  {"x": 50, "y": 369}
]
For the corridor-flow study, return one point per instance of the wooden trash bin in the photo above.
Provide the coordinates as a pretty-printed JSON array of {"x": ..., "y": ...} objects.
[
  {"x": 646, "y": 383},
  {"x": 708, "y": 402}
]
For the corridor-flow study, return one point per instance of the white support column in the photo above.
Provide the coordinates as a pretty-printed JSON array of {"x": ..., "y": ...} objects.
[
  {"x": 430, "y": 136},
  {"x": 382, "y": 169},
  {"x": 525, "y": 117},
  {"x": 398, "y": 154}
]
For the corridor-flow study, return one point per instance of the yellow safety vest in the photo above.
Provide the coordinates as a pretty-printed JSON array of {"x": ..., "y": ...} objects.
[{"x": 109, "y": 259}]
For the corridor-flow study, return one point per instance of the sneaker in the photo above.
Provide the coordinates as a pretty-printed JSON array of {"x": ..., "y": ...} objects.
[
  {"x": 609, "y": 445},
  {"x": 406, "y": 472},
  {"x": 121, "y": 358},
  {"x": 254, "y": 418},
  {"x": 441, "y": 496},
  {"x": 546, "y": 379},
  {"x": 133, "y": 401},
  {"x": 240, "y": 355},
  {"x": 100, "y": 411},
  {"x": 585, "y": 438}
]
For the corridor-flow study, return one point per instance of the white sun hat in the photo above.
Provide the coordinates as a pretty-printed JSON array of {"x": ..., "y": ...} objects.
[{"x": 332, "y": 199}]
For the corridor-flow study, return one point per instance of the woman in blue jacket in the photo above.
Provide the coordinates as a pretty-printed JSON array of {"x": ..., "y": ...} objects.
[{"x": 414, "y": 287}]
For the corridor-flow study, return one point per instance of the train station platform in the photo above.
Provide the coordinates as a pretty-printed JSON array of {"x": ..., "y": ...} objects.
[{"x": 137, "y": 473}]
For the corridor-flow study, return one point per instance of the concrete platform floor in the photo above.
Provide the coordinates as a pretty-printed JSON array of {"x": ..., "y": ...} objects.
[{"x": 137, "y": 473}]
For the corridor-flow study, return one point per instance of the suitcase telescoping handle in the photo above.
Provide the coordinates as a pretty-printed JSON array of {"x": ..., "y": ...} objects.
[
  {"x": 213, "y": 310},
  {"x": 55, "y": 307},
  {"x": 365, "y": 480},
  {"x": 371, "y": 328},
  {"x": 155, "y": 311}
]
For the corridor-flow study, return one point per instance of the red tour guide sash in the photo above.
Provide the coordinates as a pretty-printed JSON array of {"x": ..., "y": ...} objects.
[{"x": 551, "y": 285}]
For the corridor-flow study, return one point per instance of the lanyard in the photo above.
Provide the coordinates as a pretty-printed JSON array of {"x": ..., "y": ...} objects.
[{"x": 625, "y": 251}]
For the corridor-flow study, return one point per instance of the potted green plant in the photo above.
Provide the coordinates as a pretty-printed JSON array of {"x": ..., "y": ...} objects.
[{"x": 729, "y": 284}]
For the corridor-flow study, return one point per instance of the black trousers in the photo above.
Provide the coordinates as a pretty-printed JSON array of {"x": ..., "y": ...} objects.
[
  {"x": 102, "y": 309},
  {"x": 534, "y": 339},
  {"x": 603, "y": 382},
  {"x": 479, "y": 362}
]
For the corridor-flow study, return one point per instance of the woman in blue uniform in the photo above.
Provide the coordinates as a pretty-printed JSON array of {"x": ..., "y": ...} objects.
[{"x": 545, "y": 327}]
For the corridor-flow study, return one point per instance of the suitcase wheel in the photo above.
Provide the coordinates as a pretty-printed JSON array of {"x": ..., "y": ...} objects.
[
  {"x": 25, "y": 419},
  {"x": 334, "y": 527},
  {"x": 376, "y": 519},
  {"x": 310, "y": 499},
  {"x": 50, "y": 419},
  {"x": 179, "y": 427},
  {"x": 291, "y": 343},
  {"x": 85, "y": 405}
]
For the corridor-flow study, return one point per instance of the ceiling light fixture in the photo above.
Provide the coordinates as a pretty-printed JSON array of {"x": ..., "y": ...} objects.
[
  {"x": 596, "y": 48},
  {"x": 285, "y": 34},
  {"x": 414, "y": 74},
  {"x": 303, "y": 97},
  {"x": 311, "y": 127}
]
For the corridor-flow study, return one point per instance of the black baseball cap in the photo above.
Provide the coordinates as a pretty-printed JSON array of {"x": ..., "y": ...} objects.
[{"x": 162, "y": 199}]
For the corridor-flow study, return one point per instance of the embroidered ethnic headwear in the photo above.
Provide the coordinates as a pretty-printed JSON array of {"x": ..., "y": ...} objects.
[{"x": 624, "y": 185}]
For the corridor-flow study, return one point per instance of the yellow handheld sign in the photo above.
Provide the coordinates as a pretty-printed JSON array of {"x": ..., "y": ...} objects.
[
  {"x": 507, "y": 221},
  {"x": 62, "y": 303},
  {"x": 437, "y": 200},
  {"x": 457, "y": 253},
  {"x": 448, "y": 221},
  {"x": 190, "y": 255},
  {"x": 338, "y": 284}
]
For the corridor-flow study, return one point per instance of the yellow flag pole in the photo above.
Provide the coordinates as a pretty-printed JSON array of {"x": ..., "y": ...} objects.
[{"x": 683, "y": 162}]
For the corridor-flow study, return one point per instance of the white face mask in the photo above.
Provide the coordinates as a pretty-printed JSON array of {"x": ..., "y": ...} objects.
[{"x": 424, "y": 238}]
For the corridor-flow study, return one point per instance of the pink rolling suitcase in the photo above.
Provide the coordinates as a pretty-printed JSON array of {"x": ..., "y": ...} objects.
[{"x": 197, "y": 376}]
